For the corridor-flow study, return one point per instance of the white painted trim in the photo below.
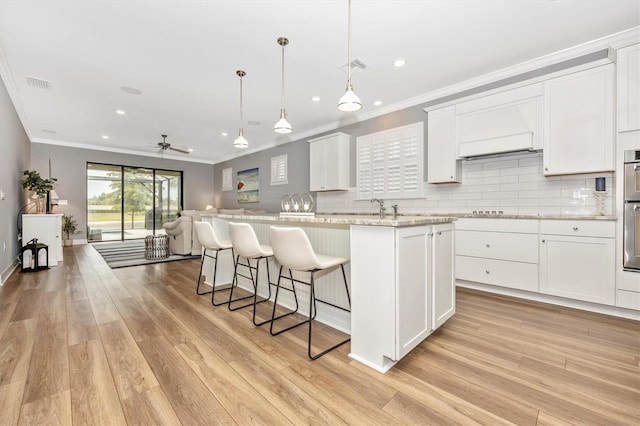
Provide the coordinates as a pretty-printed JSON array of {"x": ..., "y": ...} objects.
[
  {"x": 537, "y": 297},
  {"x": 79, "y": 241},
  {"x": 119, "y": 150},
  {"x": 11, "y": 89},
  {"x": 376, "y": 367},
  {"x": 4, "y": 276}
]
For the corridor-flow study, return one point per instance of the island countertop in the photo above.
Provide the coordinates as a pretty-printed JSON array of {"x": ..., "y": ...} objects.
[{"x": 340, "y": 219}]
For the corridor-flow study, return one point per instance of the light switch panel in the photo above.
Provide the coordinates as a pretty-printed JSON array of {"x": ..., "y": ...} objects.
[{"x": 2, "y": 194}]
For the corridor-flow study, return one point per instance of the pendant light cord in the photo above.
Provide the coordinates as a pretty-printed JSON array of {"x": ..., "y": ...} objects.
[
  {"x": 349, "y": 44},
  {"x": 241, "y": 119},
  {"x": 283, "y": 76}
]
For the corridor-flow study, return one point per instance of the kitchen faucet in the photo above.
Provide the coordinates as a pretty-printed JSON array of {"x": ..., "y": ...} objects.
[{"x": 382, "y": 207}]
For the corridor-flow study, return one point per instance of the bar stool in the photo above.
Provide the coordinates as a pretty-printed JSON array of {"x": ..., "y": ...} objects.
[
  {"x": 293, "y": 250},
  {"x": 246, "y": 245},
  {"x": 210, "y": 242}
]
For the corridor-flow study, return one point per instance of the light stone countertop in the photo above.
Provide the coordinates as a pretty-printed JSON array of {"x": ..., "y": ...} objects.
[
  {"x": 400, "y": 220},
  {"x": 342, "y": 219}
]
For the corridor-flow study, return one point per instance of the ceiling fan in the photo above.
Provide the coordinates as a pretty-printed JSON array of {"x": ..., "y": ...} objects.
[{"x": 164, "y": 145}]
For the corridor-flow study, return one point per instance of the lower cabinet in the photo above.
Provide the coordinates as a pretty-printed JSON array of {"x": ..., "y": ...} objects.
[
  {"x": 402, "y": 289},
  {"x": 577, "y": 260},
  {"x": 47, "y": 228}
]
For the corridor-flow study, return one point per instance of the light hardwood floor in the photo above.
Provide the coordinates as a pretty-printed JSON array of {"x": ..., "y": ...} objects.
[{"x": 84, "y": 344}]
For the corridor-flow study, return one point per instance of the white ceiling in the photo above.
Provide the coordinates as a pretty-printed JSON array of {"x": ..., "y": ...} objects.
[{"x": 183, "y": 56}]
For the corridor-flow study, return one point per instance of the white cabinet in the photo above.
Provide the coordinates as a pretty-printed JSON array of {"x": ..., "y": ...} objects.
[
  {"x": 499, "y": 252},
  {"x": 629, "y": 88},
  {"x": 402, "y": 289},
  {"x": 503, "y": 122},
  {"x": 577, "y": 260},
  {"x": 329, "y": 162},
  {"x": 47, "y": 228},
  {"x": 579, "y": 122},
  {"x": 443, "y": 287},
  {"x": 442, "y": 163}
]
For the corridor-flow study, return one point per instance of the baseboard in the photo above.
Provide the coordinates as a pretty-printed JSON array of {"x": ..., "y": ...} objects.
[
  {"x": 4, "y": 275},
  {"x": 553, "y": 300},
  {"x": 80, "y": 241}
]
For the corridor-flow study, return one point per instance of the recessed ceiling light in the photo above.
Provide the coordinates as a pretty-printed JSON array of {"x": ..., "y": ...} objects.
[
  {"x": 51, "y": 132},
  {"x": 130, "y": 90},
  {"x": 224, "y": 134},
  {"x": 254, "y": 122},
  {"x": 399, "y": 63},
  {"x": 105, "y": 136},
  {"x": 377, "y": 103},
  {"x": 120, "y": 112},
  {"x": 315, "y": 98}
]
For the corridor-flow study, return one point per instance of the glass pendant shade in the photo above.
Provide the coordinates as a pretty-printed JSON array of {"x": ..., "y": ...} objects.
[
  {"x": 240, "y": 141},
  {"x": 349, "y": 102},
  {"x": 282, "y": 126}
]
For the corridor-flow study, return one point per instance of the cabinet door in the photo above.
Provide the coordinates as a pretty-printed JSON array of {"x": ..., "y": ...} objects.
[
  {"x": 317, "y": 166},
  {"x": 443, "y": 300},
  {"x": 580, "y": 268},
  {"x": 629, "y": 88},
  {"x": 47, "y": 229},
  {"x": 442, "y": 163},
  {"x": 578, "y": 122},
  {"x": 413, "y": 319}
]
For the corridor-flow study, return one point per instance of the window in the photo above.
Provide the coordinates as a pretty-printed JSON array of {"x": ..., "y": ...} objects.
[
  {"x": 390, "y": 163},
  {"x": 226, "y": 179},
  {"x": 279, "y": 170}
]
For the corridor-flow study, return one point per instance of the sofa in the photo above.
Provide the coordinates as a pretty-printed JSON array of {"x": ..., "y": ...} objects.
[
  {"x": 182, "y": 235},
  {"x": 183, "y": 239}
]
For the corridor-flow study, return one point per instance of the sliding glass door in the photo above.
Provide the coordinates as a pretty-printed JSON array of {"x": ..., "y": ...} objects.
[{"x": 130, "y": 202}]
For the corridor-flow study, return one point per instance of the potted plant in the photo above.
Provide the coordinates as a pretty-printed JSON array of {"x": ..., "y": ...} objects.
[
  {"x": 39, "y": 186},
  {"x": 69, "y": 227}
]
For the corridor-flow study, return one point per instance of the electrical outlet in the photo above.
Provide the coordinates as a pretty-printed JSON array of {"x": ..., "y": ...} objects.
[
  {"x": 4, "y": 246},
  {"x": 2, "y": 194}
]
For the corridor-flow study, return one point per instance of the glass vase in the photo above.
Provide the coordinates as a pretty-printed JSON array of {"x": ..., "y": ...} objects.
[{"x": 41, "y": 205}]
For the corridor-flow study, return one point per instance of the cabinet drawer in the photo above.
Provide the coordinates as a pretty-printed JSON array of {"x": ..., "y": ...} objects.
[
  {"x": 524, "y": 226},
  {"x": 518, "y": 275},
  {"x": 628, "y": 300},
  {"x": 498, "y": 245},
  {"x": 579, "y": 228}
]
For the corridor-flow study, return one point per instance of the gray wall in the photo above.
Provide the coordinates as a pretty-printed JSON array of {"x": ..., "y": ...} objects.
[
  {"x": 298, "y": 176},
  {"x": 299, "y": 169},
  {"x": 69, "y": 166},
  {"x": 13, "y": 161}
]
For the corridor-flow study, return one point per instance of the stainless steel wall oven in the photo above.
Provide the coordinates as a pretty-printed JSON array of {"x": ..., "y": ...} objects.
[{"x": 632, "y": 210}]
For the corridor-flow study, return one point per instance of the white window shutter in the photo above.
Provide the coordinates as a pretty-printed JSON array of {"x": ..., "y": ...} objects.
[{"x": 279, "y": 172}]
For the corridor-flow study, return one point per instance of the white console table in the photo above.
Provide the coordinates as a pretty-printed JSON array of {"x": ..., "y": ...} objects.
[{"x": 47, "y": 228}]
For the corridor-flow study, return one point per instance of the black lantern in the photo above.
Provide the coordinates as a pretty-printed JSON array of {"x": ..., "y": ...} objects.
[{"x": 30, "y": 251}]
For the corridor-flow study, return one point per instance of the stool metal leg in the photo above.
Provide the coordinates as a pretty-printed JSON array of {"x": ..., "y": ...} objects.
[
  {"x": 255, "y": 294},
  {"x": 275, "y": 304},
  {"x": 215, "y": 271},
  {"x": 254, "y": 283},
  {"x": 204, "y": 254}
]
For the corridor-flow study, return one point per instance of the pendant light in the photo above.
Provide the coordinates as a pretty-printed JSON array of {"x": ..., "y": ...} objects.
[
  {"x": 349, "y": 102},
  {"x": 240, "y": 141},
  {"x": 282, "y": 126}
]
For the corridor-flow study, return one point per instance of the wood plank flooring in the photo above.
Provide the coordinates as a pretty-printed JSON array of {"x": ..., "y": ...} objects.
[{"x": 84, "y": 344}]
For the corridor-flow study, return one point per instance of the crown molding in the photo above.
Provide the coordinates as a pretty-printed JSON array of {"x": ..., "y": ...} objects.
[{"x": 120, "y": 150}]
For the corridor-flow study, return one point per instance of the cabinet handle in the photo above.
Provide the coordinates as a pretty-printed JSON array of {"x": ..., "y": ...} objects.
[
  {"x": 575, "y": 228},
  {"x": 450, "y": 177},
  {"x": 439, "y": 232},
  {"x": 546, "y": 169},
  {"x": 544, "y": 241},
  {"x": 487, "y": 272},
  {"x": 488, "y": 245}
]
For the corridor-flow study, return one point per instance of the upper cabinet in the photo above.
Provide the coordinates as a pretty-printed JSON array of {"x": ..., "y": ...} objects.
[
  {"x": 503, "y": 122},
  {"x": 579, "y": 122},
  {"x": 442, "y": 150},
  {"x": 329, "y": 162},
  {"x": 629, "y": 88}
]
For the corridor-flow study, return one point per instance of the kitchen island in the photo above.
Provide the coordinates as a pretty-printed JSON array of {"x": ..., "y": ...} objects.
[{"x": 401, "y": 277}]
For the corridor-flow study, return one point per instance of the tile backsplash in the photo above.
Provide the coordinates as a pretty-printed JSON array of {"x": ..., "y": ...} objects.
[{"x": 513, "y": 184}]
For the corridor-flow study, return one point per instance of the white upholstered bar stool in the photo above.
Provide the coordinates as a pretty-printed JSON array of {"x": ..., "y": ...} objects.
[
  {"x": 211, "y": 247},
  {"x": 292, "y": 249},
  {"x": 246, "y": 246}
]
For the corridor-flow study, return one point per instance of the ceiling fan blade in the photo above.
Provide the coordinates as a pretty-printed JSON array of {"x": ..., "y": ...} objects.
[{"x": 182, "y": 150}]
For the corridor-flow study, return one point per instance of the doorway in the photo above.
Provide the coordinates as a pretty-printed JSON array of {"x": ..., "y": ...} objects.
[{"x": 125, "y": 202}]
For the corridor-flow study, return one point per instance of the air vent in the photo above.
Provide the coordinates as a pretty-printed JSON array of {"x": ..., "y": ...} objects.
[
  {"x": 357, "y": 66},
  {"x": 38, "y": 83}
]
